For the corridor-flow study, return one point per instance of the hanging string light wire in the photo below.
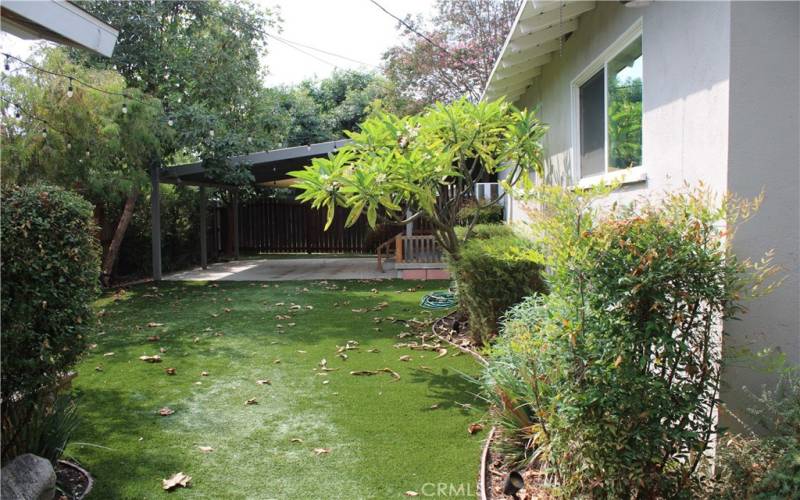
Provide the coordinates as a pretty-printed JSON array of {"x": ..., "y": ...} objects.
[{"x": 72, "y": 79}]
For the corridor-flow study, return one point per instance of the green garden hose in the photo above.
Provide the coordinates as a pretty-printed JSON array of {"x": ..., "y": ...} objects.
[{"x": 438, "y": 300}]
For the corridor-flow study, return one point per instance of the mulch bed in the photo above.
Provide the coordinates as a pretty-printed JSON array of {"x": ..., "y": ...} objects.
[
  {"x": 74, "y": 482},
  {"x": 496, "y": 474},
  {"x": 454, "y": 329}
]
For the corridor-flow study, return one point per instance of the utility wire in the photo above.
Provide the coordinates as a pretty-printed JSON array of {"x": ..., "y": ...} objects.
[
  {"x": 411, "y": 28},
  {"x": 442, "y": 73},
  {"x": 276, "y": 37},
  {"x": 309, "y": 54}
]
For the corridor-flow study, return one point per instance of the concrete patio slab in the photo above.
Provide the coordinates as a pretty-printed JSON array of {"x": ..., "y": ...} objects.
[{"x": 289, "y": 270}]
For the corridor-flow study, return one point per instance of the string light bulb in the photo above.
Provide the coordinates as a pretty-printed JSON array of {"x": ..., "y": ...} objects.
[
  {"x": 44, "y": 132},
  {"x": 170, "y": 122},
  {"x": 87, "y": 152},
  {"x": 249, "y": 140},
  {"x": 70, "y": 90},
  {"x": 69, "y": 145},
  {"x": 124, "y": 108},
  {"x": 211, "y": 133}
]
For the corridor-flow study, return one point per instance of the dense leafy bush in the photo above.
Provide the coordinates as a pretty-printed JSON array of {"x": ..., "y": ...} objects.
[
  {"x": 480, "y": 213},
  {"x": 50, "y": 271},
  {"x": 622, "y": 358},
  {"x": 496, "y": 269}
]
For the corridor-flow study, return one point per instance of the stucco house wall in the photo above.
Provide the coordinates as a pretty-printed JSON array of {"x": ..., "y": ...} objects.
[
  {"x": 720, "y": 106},
  {"x": 764, "y": 154}
]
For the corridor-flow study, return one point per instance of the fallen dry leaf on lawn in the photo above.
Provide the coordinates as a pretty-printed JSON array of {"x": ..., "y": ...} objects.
[
  {"x": 410, "y": 493},
  {"x": 343, "y": 356},
  {"x": 434, "y": 406},
  {"x": 291, "y": 324},
  {"x": 373, "y": 350},
  {"x": 302, "y": 352},
  {"x": 204, "y": 374},
  {"x": 251, "y": 401},
  {"x": 108, "y": 354},
  {"x": 323, "y": 363},
  {"x": 162, "y": 350},
  {"x": 374, "y": 290},
  {"x": 321, "y": 451},
  {"x": 277, "y": 362},
  {"x": 309, "y": 307},
  {"x": 359, "y": 310},
  {"x": 264, "y": 382},
  {"x": 364, "y": 372},
  {"x": 179, "y": 479},
  {"x": 153, "y": 324},
  {"x": 92, "y": 346},
  {"x": 205, "y": 449},
  {"x": 227, "y": 309},
  {"x": 151, "y": 359},
  {"x": 473, "y": 428},
  {"x": 171, "y": 371},
  {"x": 405, "y": 358},
  {"x": 166, "y": 411},
  {"x": 153, "y": 338},
  {"x": 214, "y": 315},
  {"x": 297, "y": 440},
  {"x": 442, "y": 352},
  {"x": 98, "y": 368}
]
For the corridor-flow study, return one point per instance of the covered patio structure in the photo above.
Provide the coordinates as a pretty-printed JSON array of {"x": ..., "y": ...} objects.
[
  {"x": 269, "y": 168},
  {"x": 411, "y": 252}
]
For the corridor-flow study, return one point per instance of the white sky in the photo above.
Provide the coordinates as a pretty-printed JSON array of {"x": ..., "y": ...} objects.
[{"x": 356, "y": 29}]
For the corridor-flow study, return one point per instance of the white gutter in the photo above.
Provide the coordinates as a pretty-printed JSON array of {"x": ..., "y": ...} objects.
[{"x": 58, "y": 21}]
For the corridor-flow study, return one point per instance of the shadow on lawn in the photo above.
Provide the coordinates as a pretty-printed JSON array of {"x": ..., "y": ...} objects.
[
  {"x": 451, "y": 389},
  {"x": 107, "y": 443}
]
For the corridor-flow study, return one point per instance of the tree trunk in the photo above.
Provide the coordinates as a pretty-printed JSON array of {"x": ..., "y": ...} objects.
[{"x": 110, "y": 259}]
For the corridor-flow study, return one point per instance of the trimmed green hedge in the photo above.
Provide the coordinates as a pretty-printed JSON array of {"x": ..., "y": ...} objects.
[
  {"x": 496, "y": 269},
  {"x": 50, "y": 268}
]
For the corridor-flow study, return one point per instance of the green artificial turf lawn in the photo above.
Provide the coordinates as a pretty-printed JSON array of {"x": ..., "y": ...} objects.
[{"x": 383, "y": 435}]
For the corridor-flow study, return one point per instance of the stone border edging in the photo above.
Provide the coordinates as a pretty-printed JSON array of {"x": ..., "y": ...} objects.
[{"x": 483, "y": 486}]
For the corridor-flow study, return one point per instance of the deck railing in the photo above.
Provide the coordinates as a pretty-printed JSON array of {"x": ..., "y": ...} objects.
[{"x": 416, "y": 249}]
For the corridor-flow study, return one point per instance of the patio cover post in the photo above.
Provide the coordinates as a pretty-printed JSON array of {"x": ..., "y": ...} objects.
[
  {"x": 203, "y": 228},
  {"x": 236, "y": 223},
  {"x": 155, "y": 220}
]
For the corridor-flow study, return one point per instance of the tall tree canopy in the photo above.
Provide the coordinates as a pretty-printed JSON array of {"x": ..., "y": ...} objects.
[
  {"x": 464, "y": 38},
  {"x": 202, "y": 59}
]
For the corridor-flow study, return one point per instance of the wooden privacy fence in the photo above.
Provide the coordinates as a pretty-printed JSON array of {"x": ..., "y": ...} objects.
[{"x": 282, "y": 226}]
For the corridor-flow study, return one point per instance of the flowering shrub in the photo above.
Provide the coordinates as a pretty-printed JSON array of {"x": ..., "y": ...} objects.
[{"x": 610, "y": 381}]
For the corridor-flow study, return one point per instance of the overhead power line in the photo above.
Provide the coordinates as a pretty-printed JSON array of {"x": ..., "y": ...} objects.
[
  {"x": 276, "y": 37},
  {"x": 411, "y": 28}
]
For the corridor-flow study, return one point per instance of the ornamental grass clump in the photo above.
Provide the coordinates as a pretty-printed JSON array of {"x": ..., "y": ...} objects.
[{"x": 610, "y": 382}]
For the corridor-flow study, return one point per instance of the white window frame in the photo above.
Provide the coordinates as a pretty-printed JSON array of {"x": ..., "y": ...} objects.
[{"x": 630, "y": 175}]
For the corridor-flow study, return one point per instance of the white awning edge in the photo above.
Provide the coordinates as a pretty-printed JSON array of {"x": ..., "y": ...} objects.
[
  {"x": 535, "y": 34},
  {"x": 58, "y": 21}
]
